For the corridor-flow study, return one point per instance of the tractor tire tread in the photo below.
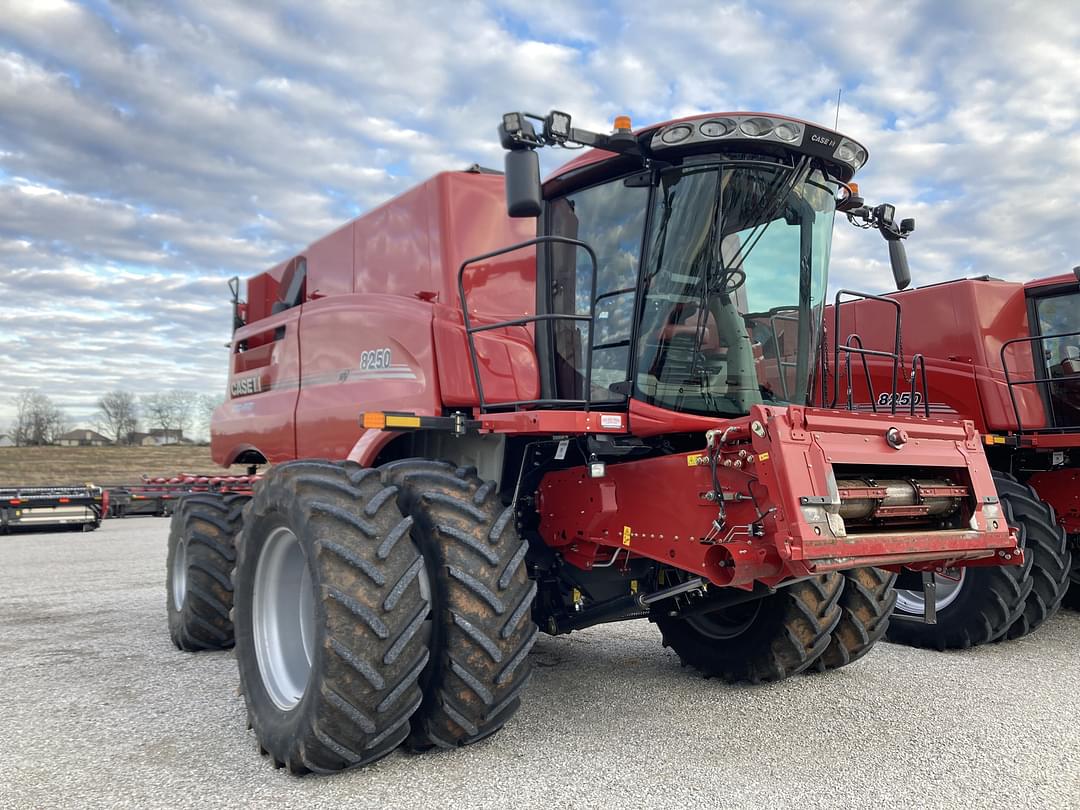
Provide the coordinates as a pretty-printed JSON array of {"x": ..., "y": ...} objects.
[
  {"x": 476, "y": 564},
  {"x": 866, "y": 603},
  {"x": 359, "y": 698},
  {"x": 208, "y": 523}
]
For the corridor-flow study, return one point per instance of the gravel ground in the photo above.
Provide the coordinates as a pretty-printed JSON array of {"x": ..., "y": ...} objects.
[{"x": 98, "y": 709}]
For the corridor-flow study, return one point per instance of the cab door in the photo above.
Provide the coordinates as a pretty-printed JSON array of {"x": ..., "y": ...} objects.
[{"x": 610, "y": 218}]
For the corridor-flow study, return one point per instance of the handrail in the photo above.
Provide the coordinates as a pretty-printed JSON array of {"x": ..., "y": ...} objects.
[
  {"x": 849, "y": 349},
  {"x": 471, "y": 330},
  {"x": 1009, "y": 383}
]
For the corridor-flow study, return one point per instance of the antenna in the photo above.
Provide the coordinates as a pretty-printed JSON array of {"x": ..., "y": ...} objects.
[{"x": 836, "y": 124}]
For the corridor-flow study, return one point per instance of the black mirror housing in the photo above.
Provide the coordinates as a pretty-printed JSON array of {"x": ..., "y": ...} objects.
[
  {"x": 898, "y": 260},
  {"x": 523, "y": 195}
]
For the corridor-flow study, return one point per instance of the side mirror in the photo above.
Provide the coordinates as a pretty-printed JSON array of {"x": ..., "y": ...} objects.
[
  {"x": 898, "y": 260},
  {"x": 523, "y": 197}
]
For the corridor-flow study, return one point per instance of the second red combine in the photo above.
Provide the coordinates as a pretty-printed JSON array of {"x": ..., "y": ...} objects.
[{"x": 593, "y": 409}]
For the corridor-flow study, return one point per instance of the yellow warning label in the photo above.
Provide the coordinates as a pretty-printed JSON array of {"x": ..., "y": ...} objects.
[
  {"x": 763, "y": 457},
  {"x": 693, "y": 459},
  {"x": 626, "y": 535},
  {"x": 633, "y": 586}
]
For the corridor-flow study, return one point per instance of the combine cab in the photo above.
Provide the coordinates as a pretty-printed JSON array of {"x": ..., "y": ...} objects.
[
  {"x": 1006, "y": 357},
  {"x": 594, "y": 409},
  {"x": 77, "y": 508}
]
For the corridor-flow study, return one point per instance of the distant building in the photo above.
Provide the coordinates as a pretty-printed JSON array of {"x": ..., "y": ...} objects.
[
  {"x": 6, "y": 441},
  {"x": 83, "y": 438},
  {"x": 168, "y": 436},
  {"x": 157, "y": 437}
]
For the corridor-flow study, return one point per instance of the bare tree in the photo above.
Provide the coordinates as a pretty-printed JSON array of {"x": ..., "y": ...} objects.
[
  {"x": 37, "y": 419},
  {"x": 118, "y": 415},
  {"x": 158, "y": 412},
  {"x": 184, "y": 405},
  {"x": 208, "y": 403},
  {"x": 172, "y": 412}
]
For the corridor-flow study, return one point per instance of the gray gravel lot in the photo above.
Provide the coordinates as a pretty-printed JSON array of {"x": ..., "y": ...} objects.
[{"x": 98, "y": 709}]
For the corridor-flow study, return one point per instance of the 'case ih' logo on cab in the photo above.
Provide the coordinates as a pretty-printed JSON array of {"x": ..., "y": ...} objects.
[{"x": 246, "y": 385}]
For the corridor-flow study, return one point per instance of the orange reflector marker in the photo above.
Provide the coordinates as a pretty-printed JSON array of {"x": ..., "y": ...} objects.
[
  {"x": 14, "y": 501},
  {"x": 65, "y": 500},
  {"x": 374, "y": 420},
  {"x": 854, "y": 188},
  {"x": 622, "y": 122}
]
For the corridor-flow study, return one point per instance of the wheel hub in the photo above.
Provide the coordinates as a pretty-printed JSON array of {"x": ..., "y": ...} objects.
[
  {"x": 948, "y": 588},
  {"x": 725, "y": 623},
  {"x": 179, "y": 574},
  {"x": 283, "y": 618}
]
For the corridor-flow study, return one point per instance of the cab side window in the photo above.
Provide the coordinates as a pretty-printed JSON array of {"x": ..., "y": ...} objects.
[{"x": 610, "y": 218}]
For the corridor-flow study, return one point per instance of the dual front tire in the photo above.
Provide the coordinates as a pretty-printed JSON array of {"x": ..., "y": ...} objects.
[
  {"x": 815, "y": 625},
  {"x": 378, "y": 607}
]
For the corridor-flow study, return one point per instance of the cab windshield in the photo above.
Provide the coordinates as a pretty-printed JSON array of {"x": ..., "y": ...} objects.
[{"x": 735, "y": 275}]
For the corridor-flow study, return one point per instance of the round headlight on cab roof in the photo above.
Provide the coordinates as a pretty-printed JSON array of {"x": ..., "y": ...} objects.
[
  {"x": 756, "y": 127},
  {"x": 717, "y": 127},
  {"x": 676, "y": 134},
  {"x": 851, "y": 153},
  {"x": 846, "y": 152},
  {"x": 787, "y": 131}
]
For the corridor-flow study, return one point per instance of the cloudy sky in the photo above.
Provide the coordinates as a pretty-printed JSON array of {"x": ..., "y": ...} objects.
[{"x": 151, "y": 150}]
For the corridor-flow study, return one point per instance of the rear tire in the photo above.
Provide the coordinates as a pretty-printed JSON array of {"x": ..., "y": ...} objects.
[
  {"x": 1048, "y": 547},
  {"x": 198, "y": 584},
  {"x": 331, "y": 608},
  {"x": 788, "y": 632},
  {"x": 482, "y": 627},
  {"x": 865, "y": 606},
  {"x": 989, "y": 600}
]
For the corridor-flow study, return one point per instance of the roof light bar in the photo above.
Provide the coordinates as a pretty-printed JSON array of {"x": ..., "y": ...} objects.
[{"x": 782, "y": 131}]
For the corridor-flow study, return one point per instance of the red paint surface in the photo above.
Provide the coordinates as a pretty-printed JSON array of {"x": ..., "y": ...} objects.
[{"x": 659, "y": 501}]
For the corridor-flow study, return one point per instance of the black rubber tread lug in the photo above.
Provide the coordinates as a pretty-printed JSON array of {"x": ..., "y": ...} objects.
[
  {"x": 866, "y": 603},
  {"x": 1047, "y": 545},
  {"x": 791, "y": 630},
  {"x": 369, "y": 651},
  {"x": 482, "y": 624}
]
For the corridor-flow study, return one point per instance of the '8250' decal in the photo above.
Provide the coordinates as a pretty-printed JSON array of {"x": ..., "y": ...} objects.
[
  {"x": 374, "y": 359},
  {"x": 902, "y": 400}
]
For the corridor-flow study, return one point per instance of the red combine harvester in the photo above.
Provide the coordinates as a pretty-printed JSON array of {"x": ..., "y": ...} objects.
[
  {"x": 606, "y": 420},
  {"x": 1005, "y": 356}
]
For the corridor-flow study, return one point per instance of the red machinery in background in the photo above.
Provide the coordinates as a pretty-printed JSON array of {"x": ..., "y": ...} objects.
[{"x": 1005, "y": 356}]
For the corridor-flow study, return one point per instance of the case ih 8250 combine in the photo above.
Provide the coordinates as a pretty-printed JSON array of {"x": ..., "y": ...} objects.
[
  {"x": 1006, "y": 356},
  {"x": 605, "y": 421}
]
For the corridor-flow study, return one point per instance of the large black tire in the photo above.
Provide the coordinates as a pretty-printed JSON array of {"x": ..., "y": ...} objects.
[
  {"x": 1048, "y": 547},
  {"x": 865, "y": 606},
  {"x": 757, "y": 642},
  {"x": 991, "y": 599},
  {"x": 482, "y": 627},
  {"x": 365, "y": 642},
  {"x": 198, "y": 567}
]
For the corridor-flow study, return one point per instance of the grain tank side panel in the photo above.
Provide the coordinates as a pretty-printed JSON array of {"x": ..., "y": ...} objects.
[{"x": 361, "y": 353}]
